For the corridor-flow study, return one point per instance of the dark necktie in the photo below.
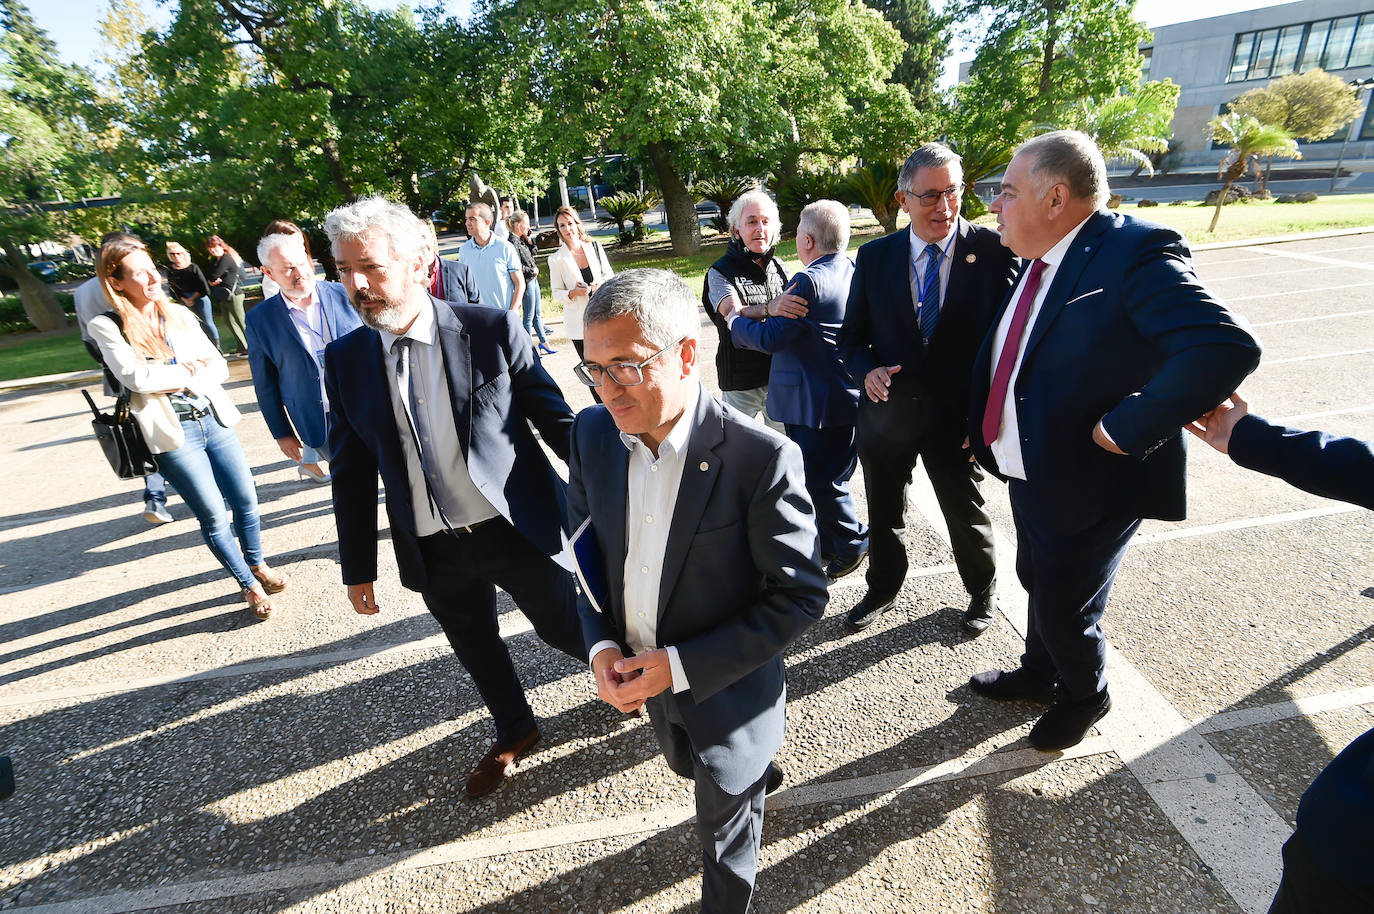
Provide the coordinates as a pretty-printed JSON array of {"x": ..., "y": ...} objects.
[
  {"x": 417, "y": 419},
  {"x": 1001, "y": 378},
  {"x": 929, "y": 313}
]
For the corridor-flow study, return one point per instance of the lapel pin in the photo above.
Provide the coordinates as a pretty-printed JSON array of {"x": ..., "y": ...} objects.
[
  {"x": 705, "y": 466},
  {"x": 1087, "y": 248},
  {"x": 971, "y": 258}
]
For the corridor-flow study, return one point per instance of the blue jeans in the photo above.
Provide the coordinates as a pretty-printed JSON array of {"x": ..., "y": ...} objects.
[
  {"x": 205, "y": 313},
  {"x": 310, "y": 455},
  {"x": 154, "y": 488},
  {"x": 208, "y": 469},
  {"x": 530, "y": 307}
]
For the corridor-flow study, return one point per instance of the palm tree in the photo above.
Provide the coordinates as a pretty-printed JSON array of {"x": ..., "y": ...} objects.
[
  {"x": 628, "y": 206},
  {"x": 1249, "y": 140},
  {"x": 1130, "y": 127},
  {"x": 875, "y": 186}
]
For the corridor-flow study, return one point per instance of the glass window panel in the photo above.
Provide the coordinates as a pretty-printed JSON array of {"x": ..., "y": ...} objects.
[
  {"x": 1367, "y": 131},
  {"x": 1338, "y": 44},
  {"x": 1316, "y": 44},
  {"x": 1148, "y": 55},
  {"x": 1264, "y": 54},
  {"x": 1240, "y": 61},
  {"x": 1286, "y": 57},
  {"x": 1362, "y": 54}
]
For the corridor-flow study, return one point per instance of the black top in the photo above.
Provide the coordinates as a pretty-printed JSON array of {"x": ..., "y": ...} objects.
[
  {"x": 525, "y": 248},
  {"x": 188, "y": 282},
  {"x": 587, "y": 275},
  {"x": 226, "y": 269}
]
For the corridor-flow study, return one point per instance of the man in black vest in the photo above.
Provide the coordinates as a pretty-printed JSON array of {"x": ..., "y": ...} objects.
[
  {"x": 743, "y": 282},
  {"x": 919, "y": 306}
]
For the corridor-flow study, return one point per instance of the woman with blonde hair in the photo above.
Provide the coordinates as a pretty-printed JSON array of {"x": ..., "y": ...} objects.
[
  {"x": 226, "y": 286},
  {"x": 576, "y": 270},
  {"x": 174, "y": 375}
]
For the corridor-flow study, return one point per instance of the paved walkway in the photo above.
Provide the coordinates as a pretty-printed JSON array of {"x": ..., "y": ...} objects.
[{"x": 172, "y": 754}]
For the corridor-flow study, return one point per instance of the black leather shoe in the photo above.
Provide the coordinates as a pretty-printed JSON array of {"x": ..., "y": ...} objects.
[
  {"x": 838, "y": 568},
  {"x": 978, "y": 616},
  {"x": 1011, "y": 685},
  {"x": 867, "y": 610},
  {"x": 1068, "y": 721},
  {"x": 775, "y": 778}
]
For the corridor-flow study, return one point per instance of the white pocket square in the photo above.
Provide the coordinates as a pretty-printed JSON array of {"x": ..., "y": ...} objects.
[{"x": 1083, "y": 296}]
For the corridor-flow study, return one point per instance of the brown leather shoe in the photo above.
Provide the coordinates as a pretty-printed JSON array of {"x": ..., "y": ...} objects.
[{"x": 492, "y": 770}]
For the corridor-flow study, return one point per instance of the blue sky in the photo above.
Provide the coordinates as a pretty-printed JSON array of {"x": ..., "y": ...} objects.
[{"x": 73, "y": 24}]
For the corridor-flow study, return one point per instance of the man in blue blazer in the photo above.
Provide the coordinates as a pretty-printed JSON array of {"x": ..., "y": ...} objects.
[
  {"x": 707, "y": 542},
  {"x": 1108, "y": 345},
  {"x": 287, "y": 335},
  {"x": 809, "y": 389},
  {"x": 919, "y": 306},
  {"x": 438, "y": 399},
  {"x": 449, "y": 280}
]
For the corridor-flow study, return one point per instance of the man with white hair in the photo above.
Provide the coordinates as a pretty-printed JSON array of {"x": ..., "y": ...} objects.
[
  {"x": 744, "y": 281},
  {"x": 809, "y": 388},
  {"x": 1107, "y": 347},
  {"x": 438, "y": 399},
  {"x": 707, "y": 544},
  {"x": 287, "y": 334}
]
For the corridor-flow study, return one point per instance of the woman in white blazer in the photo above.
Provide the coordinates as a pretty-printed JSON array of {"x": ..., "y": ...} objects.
[
  {"x": 576, "y": 270},
  {"x": 173, "y": 374}
]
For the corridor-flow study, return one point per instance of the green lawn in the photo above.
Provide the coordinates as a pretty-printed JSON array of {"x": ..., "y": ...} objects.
[{"x": 24, "y": 355}]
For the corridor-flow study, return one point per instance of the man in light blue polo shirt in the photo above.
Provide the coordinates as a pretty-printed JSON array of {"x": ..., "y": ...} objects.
[{"x": 494, "y": 263}]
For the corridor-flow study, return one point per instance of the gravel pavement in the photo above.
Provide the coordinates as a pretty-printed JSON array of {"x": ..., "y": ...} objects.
[{"x": 173, "y": 754}]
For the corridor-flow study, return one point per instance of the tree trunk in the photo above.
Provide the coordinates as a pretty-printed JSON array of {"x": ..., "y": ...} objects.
[
  {"x": 1047, "y": 51},
  {"x": 1221, "y": 201},
  {"x": 40, "y": 306},
  {"x": 678, "y": 206}
]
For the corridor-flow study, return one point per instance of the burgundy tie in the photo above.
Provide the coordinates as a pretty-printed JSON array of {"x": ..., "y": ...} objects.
[{"x": 1001, "y": 378}]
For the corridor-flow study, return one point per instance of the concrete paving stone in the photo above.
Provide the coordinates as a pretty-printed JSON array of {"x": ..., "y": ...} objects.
[
  {"x": 1319, "y": 385},
  {"x": 1282, "y": 758},
  {"x": 1317, "y": 338},
  {"x": 1252, "y": 616},
  {"x": 1073, "y": 836}
]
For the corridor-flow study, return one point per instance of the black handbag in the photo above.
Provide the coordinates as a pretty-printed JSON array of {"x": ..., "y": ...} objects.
[{"x": 121, "y": 439}]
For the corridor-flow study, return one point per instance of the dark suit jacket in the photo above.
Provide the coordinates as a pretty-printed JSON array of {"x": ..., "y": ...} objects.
[
  {"x": 1340, "y": 468},
  {"x": 741, "y": 575},
  {"x": 456, "y": 283},
  {"x": 1129, "y": 335},
  {"x": 497, "y": 387},
  {"x": 807, "y": 381},
  {"x": 286, "y": 376},
  {"x": 880, "y": 326}
]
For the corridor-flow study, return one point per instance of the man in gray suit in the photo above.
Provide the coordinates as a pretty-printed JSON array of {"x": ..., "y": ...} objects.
[{"x": 705, "y": 537}]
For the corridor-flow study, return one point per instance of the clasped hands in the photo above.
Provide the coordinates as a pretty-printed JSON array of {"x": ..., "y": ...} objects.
[{"x": 626, "y": 683}]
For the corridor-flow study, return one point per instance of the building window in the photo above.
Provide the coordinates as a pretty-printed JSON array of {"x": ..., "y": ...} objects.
[
  {"x": 1147, "y": 57},
  {"x": 1332, "y": 44}
]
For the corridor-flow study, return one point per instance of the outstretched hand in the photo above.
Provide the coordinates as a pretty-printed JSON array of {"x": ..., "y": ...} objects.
[{"x": 1215, "y": 425}]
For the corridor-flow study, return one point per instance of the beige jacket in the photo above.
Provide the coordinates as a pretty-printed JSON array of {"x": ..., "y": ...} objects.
[
  {"x": 148, "y": 380},
  {"x": 564, "y": 275}
]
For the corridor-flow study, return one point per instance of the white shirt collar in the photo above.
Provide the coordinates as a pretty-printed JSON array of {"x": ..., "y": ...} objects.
[
  {"x": 1055, "y": 255},
  {"x": 422, "y": 329},
  {"x": 918, "y": 244},
  {"x": 314, "y": 297},
  {"x": 675, "y": 444}
]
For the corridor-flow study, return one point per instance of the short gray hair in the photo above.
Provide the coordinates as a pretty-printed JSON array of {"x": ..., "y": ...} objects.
[
  {"x": 482, "y": 209},
  {"x": 275, "y": 242},
  {"x": 764, "y": 201},
  {"x": 929, "y": 155},
  {"x": 827, "y": 221},
  {"x": 1068, "y": 157},
  {"x": 661, "y": 303},
  {"x": 377, "y": 215}
]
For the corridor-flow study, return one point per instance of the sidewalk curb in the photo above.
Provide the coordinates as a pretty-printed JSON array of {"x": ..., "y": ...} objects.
[{"x": 1279, "y": 239}]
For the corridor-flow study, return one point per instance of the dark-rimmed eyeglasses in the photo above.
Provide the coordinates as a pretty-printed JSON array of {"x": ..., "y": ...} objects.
[
  {"x": 930, "y": 197},
  {"x": 626, "y": 374}
]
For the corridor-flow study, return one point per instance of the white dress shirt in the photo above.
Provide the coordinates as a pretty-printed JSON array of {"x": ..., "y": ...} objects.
[
  {"x": 1007, "y": 448},
  {"x": 462, "y": 501},
  {"x": 651, "y": 498},
  {"x": 313, "y": 331},
  {"x": 917, "y": 264}
]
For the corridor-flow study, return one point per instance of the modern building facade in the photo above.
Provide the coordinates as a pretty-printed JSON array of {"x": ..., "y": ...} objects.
[{"x": 1215, "y": 60}]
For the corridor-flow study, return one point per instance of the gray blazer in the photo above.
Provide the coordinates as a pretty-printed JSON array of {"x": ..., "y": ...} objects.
[{"x": 742, "y": 575}]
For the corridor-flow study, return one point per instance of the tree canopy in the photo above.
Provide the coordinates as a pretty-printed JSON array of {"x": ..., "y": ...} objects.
[{"x": 1308, "y": 106}]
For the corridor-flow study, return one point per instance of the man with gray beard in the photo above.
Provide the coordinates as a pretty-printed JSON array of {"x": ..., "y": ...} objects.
[{"x": 438, "y": 399}]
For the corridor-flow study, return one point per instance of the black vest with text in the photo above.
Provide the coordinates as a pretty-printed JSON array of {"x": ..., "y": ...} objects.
[{"x": 743, "y": 369}]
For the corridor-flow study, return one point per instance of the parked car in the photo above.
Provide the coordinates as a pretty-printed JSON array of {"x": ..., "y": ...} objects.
[{"x": 45, "y": 270}]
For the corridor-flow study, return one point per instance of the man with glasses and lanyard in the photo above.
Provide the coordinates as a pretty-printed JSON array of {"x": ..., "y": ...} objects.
[
  {"x": 287, "y": 334},
  {"x": 920, "y": 303},
  {"x": 706, "y": 541}
]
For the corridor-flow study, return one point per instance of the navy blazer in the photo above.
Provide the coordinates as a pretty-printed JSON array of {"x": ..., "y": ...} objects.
[
  {"x": 498, "y": 388},
  {"x": 807, "y": 381},
  {"x": 457, "y": 284},
  {"x": 741, "y": 575},
  {"x": 1129, "y": 335},
  {"x": 286, "y": 376},
  {"x": 1325, "y": 465},
  {"x": 880, "y": 326}
]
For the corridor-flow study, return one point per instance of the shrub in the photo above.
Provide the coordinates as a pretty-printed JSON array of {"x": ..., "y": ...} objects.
[
  {"x": 627, "y": 206},
  {"x": 723, "y": 192}
]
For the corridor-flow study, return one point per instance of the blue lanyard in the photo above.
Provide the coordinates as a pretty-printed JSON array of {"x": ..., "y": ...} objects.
[
  {"x": 920, "y": 285},
  {"x": 298, "y": 316}
]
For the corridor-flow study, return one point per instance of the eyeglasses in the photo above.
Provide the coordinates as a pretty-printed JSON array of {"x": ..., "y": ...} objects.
[
  {"x": 931, "y": 197},
  {"x": 626, "y": 374}
]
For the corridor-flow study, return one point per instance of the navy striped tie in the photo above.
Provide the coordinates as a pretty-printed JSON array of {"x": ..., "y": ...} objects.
[{"x": 929, "y": 313}]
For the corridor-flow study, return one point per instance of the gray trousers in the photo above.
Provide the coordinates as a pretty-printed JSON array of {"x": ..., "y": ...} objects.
[
  {"x": 753, "y": 403},
  {"x": 730, "y": 828}
]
